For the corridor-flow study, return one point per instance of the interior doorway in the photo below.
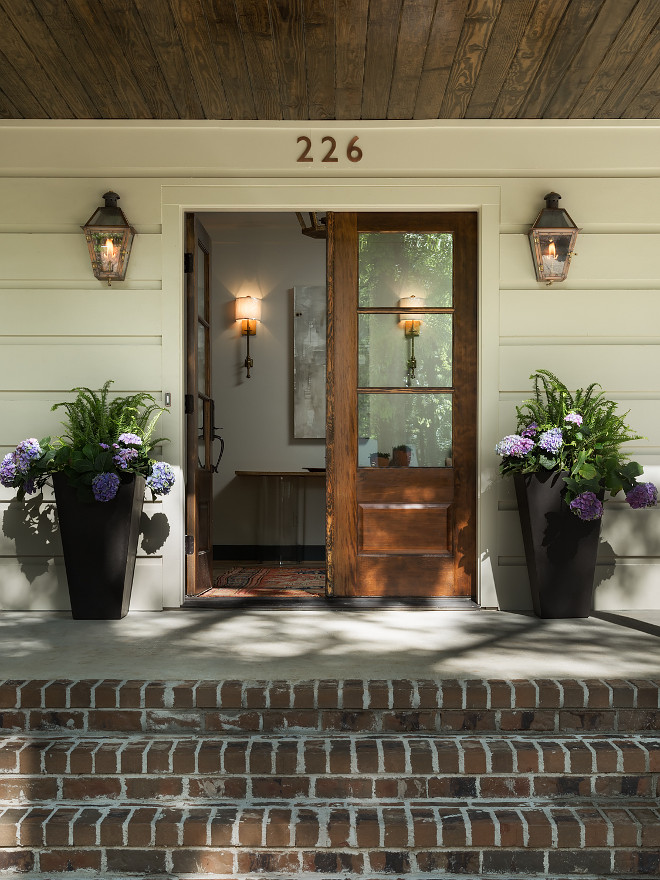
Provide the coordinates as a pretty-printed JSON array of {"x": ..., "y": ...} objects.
[
  {"x": 268, "y": 510},
  {"x": 407, "y": 530}
]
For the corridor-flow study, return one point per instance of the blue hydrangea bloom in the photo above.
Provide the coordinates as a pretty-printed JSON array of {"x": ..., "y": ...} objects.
[
  {"x": 514, "y": 445},
  {"x": 551, "y": 440},
  {"x": 530, "y": 431},
  {"x": 124, "y": 458},
  {"x": 130, "y": 439},
  {"x": 8, "y": 470},
  {"x": 587, "y": 506},
  {"x": 26, "y": 452},
  {"x": 104, "y": 446},
  {"x": 643, "y": 495},
  {"x": 104, "y": 486},
  {"x": 161, "y": 478},
  {"x": 573, "y": 418}
]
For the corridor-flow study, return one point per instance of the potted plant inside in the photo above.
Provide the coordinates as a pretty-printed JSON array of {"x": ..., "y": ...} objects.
[
  {"x": 380, "y": 459},
  {"x": 99, "y": 469},
  {"x": 565, "y": 455},
  {"x": 401, "y": 455}
]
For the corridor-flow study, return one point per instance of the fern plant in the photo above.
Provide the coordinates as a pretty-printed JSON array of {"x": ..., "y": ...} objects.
[
  {"x": 105, "y": 442},
  {"x": 579, "y": 434}
]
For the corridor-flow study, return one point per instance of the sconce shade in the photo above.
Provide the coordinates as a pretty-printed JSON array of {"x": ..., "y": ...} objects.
[
  {"x": 552, "y": 240},
  {"x": 248, "y": 308},
  {"x": 109, "y": 238},
  {"x": 411, "y": 302}
]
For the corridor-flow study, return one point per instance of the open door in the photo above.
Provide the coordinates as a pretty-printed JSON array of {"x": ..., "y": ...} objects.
[
  {"x": 402, "y": 381},
  {"x": 199, "y": 409}
]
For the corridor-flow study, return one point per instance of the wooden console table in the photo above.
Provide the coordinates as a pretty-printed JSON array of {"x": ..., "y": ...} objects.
[{"x": 286, "y": 504}]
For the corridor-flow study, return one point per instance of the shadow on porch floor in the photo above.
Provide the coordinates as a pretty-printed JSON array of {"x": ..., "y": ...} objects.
[{"x": 244, "y": 643}]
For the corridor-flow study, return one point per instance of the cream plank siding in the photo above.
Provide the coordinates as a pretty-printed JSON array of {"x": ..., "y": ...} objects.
[
  {"x": 45, "y": 312},
  {"x": 604, "y": 261},
  {"x": 64, "y": 257},
  {"x": 628, "y": 314},
  {"x": 39, "y": 584}
]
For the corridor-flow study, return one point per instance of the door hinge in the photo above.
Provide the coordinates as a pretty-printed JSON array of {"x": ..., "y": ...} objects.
[
  {"x": 189, "y": 404},
  {"x": 188, "y": 262},
  {"x": 190, "y": 545}
]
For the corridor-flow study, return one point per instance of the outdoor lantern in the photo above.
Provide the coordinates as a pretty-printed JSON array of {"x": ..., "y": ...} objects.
[
  {"x": 552, "y": 240},
  {"x": 109, "y": 238},
  {"x": 248, "y": 311},
  {"x": 410, "y": 321}
]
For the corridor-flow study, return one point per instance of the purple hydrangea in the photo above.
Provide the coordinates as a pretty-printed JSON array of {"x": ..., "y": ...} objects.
[
  {"x": 26, "y": 452},
  {"x": 104, "y": 446},
  {"x": 643, "y": 495},
  {"x": 8, "y": 470},
  {"x": 124, "y": 458},
  {"x": 29, "y": 487},
  {"x": 530, "y": 431},
  {"x": 551, "y": 440},
  {"x": 104, "y": 486},
  {"x": 587, "y": 506},
  {"x": 573, "y": 418},
  {"x": 161, "y": 478},
  {"x": 514, "y": 445},
  {"x": 130, "y": 439}
]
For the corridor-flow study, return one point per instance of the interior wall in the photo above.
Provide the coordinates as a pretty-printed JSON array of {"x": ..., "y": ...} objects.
[{"x": 262, "y": 255}]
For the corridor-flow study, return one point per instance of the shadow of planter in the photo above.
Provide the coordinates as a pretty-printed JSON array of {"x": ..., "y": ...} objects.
[
  {"x": 99, "y": 540},
  {"x": 560, "y": 548}
]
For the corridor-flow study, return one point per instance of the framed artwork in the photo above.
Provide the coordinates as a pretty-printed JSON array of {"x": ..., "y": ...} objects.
[{"x": 309, "y": 357}]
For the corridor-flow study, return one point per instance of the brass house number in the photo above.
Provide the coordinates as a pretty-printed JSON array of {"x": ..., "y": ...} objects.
[{"x": 353, "y": 152}]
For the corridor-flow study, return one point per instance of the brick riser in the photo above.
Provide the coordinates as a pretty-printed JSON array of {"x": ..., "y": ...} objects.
[{"x": 351, "y": 779}]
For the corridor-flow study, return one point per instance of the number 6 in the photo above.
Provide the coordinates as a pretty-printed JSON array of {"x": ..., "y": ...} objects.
[{"x": 353, "y": 152}]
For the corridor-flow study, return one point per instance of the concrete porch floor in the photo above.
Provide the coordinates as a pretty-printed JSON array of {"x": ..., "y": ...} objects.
[{"x": 294, "y": 645}]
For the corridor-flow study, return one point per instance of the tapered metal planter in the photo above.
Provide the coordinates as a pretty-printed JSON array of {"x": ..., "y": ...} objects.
[
  {"x": 560, "y": 548},
  {"x": 99, "y": 540}
]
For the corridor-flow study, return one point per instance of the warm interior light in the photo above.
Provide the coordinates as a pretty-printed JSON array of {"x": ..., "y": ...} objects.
[
  {"x": 248, "y": 308},
  {"x": 411, "y": 321},
  {"x": 552, "y": 250},
  {"x": 109, "y": 256}
]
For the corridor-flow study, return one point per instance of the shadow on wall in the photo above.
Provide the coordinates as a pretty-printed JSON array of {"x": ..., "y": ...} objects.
[{"x": 32, "y": 525}]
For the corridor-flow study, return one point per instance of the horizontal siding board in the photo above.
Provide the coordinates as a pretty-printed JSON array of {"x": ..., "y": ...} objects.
[
  {"x": 66, "y": 203},
  {"x": 62, "y": 367},
  {"x": 615, "y": 201},
  {"x": 64, "y": 256},
  {"x": 33, "y": 584},
  {"x": 580, "y": 313},
  {"x": 618, "y": 368},
  {"x": 608, "y": 261},
  {"x": 643, "y": 418},
  {"x": 78, "y": 312}
]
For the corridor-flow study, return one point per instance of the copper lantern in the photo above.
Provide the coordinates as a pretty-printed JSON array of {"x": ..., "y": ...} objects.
[
  {"x": 109, "y": 238},
  {"x": 552, "y": 240}
]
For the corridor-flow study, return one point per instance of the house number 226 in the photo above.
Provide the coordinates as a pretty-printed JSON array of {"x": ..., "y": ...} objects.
[{"x": 353, "y": 152}]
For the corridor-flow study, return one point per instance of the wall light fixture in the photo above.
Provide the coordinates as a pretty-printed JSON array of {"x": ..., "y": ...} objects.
[
  {"x": 248, "y": 312},
  {"x": 552, "y": 240},
  {"x": 109, "y": 238}
]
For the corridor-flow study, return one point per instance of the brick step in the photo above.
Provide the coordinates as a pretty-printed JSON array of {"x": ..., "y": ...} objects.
[
  {"x": 329, "y": 705},
  {"x": 357, "y": 767},
  {"x": 415, "y": 841}
]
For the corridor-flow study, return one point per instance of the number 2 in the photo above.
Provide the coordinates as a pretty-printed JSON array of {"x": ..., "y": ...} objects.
[
  {"x": 304, "y": 156},
  {"x": 333, "y": 146}
]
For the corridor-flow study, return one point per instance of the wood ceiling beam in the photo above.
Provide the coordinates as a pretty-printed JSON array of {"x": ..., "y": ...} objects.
[
  {"x": 350, "y": 41},
  {"x": 319, "y": 18},
  {"x": 416, "y": 19},
  {"x": 255, "y": 25},
  {"x": 445, "y": 34},
  {"x": 633, "y": 79},
  {"x": 382, "y": 35},
  {"x": 289, "y": 44}
]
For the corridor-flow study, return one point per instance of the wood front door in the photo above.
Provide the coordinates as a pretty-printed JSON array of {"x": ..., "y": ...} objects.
[
  {"x": 402, "y": 372},
  {"x": 199, "y": 409}
]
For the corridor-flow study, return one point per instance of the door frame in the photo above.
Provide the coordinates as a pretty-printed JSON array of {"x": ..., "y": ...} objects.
[{"x": 353, "y": 194}]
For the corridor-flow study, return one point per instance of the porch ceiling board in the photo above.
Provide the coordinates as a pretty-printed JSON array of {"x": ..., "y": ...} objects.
[{"x": 329, "y": 59}]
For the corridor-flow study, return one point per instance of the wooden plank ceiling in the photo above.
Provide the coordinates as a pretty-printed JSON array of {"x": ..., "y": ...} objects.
[{"x": 329, "y": 59}]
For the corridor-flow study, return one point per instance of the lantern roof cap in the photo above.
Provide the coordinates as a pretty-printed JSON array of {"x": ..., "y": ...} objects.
[{"x": 109, "y": 214}]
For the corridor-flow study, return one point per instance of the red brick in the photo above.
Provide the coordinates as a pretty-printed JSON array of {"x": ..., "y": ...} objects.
[
  {"x": 524, "y": 695},
  {"x": 56, "y": 832},
  {"x": 367, "y": 828},
  {"x": 452, "y": 826},
  {"x": 634, "y": 757},
  {"x": 203, "y": 861},
  {"x": 28, "y": 788},
  {"x": 647, "y": 694},
  {"x": 8, "y": 822},
  {"x": 307, "y": 828},
  {"x": 131, "y": 757},
  {"x": 231, "y": 695},
  {"x": 55, "y": 695},
  {"x": 606, "y": 756},
  {"x": 396, "y": 827},
  {"x": 353, "y": 721},
  {"x": 140, "y": 825},
  {"x": 249, "y": 828},
  {"x": 339, "y": 828},
  {"x": 581, "y": 758},
  {"x": 130, "y": 695},
  {"x": 31, "y": 696},
  {"x": 452, "y": 787},
  {"x": 527, "y": 720},
  {"x": 568, "y": 829},
  {"x": 328, "y": 694},
  {"x": 286, "y": 756},
  {"x": 157, "y": 757},
  {"x": 55, "y": 720},
  {"x": 147, "y": 788},
  {"x": 8, "y": 695},
  {"x": 81, "y": 788},
  {"x": 278, "y": 827},
  {"x": 394, "y": 755},
  {"x": 167, "y": 828},
  {"x": 119, "y": 719},
  {"x": 106, "y": 758},
  {"x": 80, "y": 694},
  {"x": 234, "y": 757},
  {"x": 501, "y": 695},
  {"x": 390, "y": 862},
  {"x": 18, "y": 860},
  {"x": 504, "y": 787},
  {"x": 222, "y": 827},
  {"x": 454, "y": 720},
  {"x": 595, "y": 829},
  {"x": 206, "y": 696},
  {"x": 474, "y": 756},
  {"x": 421, "y": 757},
  {"x": 265, "y": 862},
  {"x": 80, "y": 759},
  {"x": 447, "y": 757},
  {"x": 476, "y": 695},
  {"x": 379, "y": 695},
  {"x": 112, "y": 826},
  {"x": 32, "y": 826},
  {"x": 279, "y": 695},
  {"x": 286, "y": 787},
  {"x": 352, "y": 696},
  {"x": 450, "y": 694},
  {"x": 183, "y": 697},
  {"x": 449, "y": 862},
  {"x": 562, "y": 786},
  {"x": 587, "y": 720},
  {"x": 136, "y": 861},
  {"x": 30, "y": 756},
  {"x": 195, "y": 828},
  {"x": 85, "y": 827},
  {"x": 254, "y": 696},
  {"x": 61, "y": 860},
  {"x": 232, "y": 721},
  {"x": 303, "y": 696},
  {"x": 539, "y": 828},
  {"x": 624, "y": 828},
  {"x": 366, "y": 752},
  {"x": 343, "y": 787},
  {"x": 106, "y": 695},
  {"x": 482, "y": 827},
  {"x": 260, "y": 760},
  {"x": 183, "y": 757},
  {"x": 340, "y": 756},
  {"x": 511, "y": 828},
  {"x": 599, "y": 694},
  {"x": 327, "y": 862},
  {"x": 406, "y": 721},
  {"x": 396, "y": 787},
  {"x": 638, "y": 720},
  {"x": 425, "y": 830}
]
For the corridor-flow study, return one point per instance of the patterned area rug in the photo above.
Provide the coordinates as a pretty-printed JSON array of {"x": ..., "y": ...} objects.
[{"x": 268, "y": 583}]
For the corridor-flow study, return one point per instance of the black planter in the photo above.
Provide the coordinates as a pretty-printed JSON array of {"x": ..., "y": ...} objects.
[
  {"x": 560, "y": 548},
  {"x": 99, "y": 539}
]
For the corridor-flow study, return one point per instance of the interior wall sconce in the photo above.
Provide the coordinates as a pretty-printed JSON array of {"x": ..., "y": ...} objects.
[
  {"x": 317, "y": 225},
  {"x": 552, "y": 240},
  {"x": 411, "y": 322},
  {"x": 248, "y": 312},
  {"x": 109, "y": 238}
]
